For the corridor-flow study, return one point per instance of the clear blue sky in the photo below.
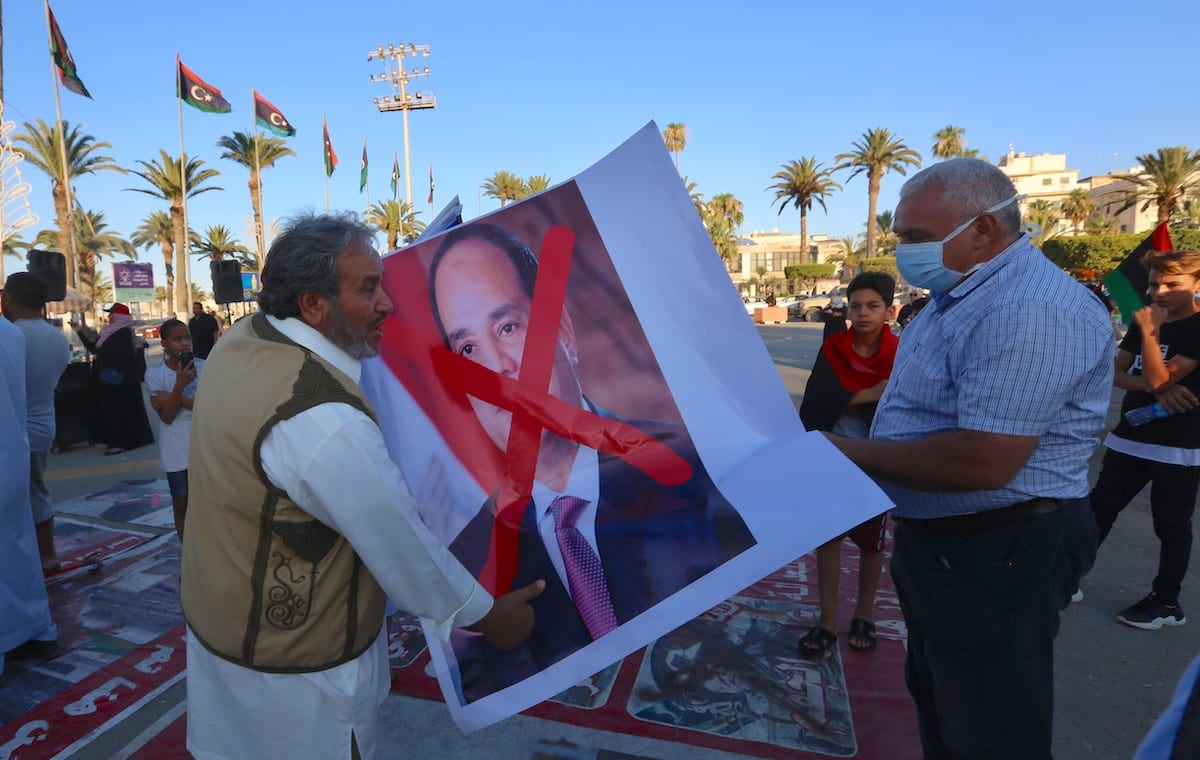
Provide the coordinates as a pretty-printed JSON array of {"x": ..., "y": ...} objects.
[{"x": 539, "y": 87}]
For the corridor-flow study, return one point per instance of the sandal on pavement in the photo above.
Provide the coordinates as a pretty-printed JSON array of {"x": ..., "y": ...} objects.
[
  {"x": 816, "y": 642},
  {"x": 111, "y": 452},
  {"x": 860, "y": 631}
]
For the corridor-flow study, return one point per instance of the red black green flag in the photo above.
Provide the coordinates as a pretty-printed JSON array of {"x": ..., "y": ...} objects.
[
  {"x": 330, "y": 155},
  {"x": 271, "y": 118},
  {"x": 198, "y": 93},
  {"x": 395, "y": 175},
  {"x": 362, "y": 174},
  {"x": 430, "y": 184},
  {"x": 63, "y": 60},
  {"x": 1128, "y": 284}
]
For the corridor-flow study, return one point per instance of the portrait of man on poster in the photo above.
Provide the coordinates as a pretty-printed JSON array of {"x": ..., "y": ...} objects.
[{"x": 609, "y": 540}]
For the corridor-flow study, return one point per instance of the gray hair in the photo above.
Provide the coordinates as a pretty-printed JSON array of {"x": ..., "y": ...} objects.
[
  {"x": 304, "y": 259},
  {"x": 969, "y": 186}
]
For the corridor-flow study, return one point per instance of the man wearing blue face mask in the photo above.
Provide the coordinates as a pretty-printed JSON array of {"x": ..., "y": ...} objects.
[{"x": 982, "y": 439}]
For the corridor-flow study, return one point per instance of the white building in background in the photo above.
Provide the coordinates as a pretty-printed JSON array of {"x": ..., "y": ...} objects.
[
  {"x": 774, "y": 251},
  {"x": 1108, "y": 190},
  {"x": 1043, "y": 177}
]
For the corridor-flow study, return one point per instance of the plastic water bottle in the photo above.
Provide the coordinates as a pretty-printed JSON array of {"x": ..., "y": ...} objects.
[{"x": 1144, "y": 414}]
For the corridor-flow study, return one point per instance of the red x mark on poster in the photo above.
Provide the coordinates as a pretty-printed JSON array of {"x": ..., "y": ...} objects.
[{"x": 411, "y": 352}]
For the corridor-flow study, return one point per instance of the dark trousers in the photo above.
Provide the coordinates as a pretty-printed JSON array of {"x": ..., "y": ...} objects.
[
  {"x": 982, "y": 611},
  {"x": 1173, "y": 490}
]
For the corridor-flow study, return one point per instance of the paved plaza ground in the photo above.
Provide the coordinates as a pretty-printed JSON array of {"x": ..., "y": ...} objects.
[{"x": 121, "y": 679}]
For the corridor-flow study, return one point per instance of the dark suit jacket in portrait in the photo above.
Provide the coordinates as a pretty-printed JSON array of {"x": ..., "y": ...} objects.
[{"x": 653, "y": 540}]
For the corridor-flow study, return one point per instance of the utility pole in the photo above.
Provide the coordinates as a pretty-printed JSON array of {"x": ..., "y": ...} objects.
[{"x": 401, "y": 99}]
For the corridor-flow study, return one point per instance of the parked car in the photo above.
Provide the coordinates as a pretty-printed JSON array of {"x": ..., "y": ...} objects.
[
  {"x": 752, "y": 305},
  {"x": 147, "y": 331},
  {"x": 809, "y": 309}
]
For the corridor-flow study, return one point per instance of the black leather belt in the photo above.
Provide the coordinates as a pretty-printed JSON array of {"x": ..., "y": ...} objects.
[{"x": 961, "y": 525}]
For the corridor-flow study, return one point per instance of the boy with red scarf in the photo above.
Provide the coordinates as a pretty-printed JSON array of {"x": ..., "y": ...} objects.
[{"x": 843, "y": 390}]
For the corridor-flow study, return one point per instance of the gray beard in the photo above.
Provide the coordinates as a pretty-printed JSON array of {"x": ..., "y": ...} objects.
[{"x": 338, "y": 333}]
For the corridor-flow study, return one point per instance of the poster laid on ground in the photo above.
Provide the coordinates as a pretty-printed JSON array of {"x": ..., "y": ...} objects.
[
  {"x": 575, "y": 394},
  {"x": 133, "y": 283}
]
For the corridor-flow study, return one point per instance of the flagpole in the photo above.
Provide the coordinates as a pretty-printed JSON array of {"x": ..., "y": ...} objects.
[
  {"x": 325, "y": 155},
  {"x": 183, "y": 280},
  {"x": 72, "y": 260},
  {"x": 260, "y": 238}
]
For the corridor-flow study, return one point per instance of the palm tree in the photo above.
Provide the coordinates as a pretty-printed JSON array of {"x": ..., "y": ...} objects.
[
  {"x": 852, "y": 248},
  {"x": 722, "y": 216},
  {"x": 800, "y": 184},
  {"x": 696, "y": 196},
  {"x": 256, "y": 152},
  {"x": 94, "y": 241},
  {"x": 156, "y": 229},
  {"x": 885, "y": 239},
  {"x": 166, "y": 179},
  {"x": 396, "y": 219},
  {"x": 103, "y": 289},
  {"x": 504, "y": 186},
  {"x": 14, "y": 244},
  {"x": 1167, "y": 178},
  {"x": 535, "y": 184},
  {"x": 218, "y": 243},
  {"x": 676, "y": 137},
  {"x": 1078, "y": 207},
  {"x": 949, "y": 142},
  {"x": 1100, "y": 225},
  {"x": 41, "y": 150},
  {"x": 877, "y": 154},
  {"x": 198, "y": 294},
  {"x": 1045, "y": 215}
]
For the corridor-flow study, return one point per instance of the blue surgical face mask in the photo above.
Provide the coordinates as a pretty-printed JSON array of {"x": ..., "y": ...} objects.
[{"x": 920, "y": 264}]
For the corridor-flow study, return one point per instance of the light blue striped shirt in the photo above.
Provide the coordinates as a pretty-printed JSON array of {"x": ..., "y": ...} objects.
[{"x": 1018, "y": 348}]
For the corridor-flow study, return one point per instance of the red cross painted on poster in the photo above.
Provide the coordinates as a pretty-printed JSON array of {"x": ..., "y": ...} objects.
[{"x": 534, "y": 408}]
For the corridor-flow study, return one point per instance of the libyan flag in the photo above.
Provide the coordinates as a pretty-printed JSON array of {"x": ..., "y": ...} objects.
[
  {"x": 331, "y": 159},
  {"x": 270, "y": 117},
  {"x": 1128, "y": 283},
  {"x": 63, "y": 60},
  {"x": 198, "y": 93}
]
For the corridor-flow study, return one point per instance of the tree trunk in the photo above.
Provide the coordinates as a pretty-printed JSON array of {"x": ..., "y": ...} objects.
[
  {"x": 1164, "y": 213},
  {"x": 260, "y": 236},
  {"x": 182, "y": 296},
  {"x": 168, "y": 251},
  {"x": 804, "y": 235},
  {"x": 58, "y": 192},
  {"x": 873, "y": 181}
]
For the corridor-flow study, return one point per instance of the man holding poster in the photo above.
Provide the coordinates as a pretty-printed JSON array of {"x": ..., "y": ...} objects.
[
  {"x": 299, "y": 523},
  {"x": 609, "y": 540}
]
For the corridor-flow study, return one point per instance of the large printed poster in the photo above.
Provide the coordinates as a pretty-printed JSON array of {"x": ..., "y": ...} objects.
[{"x": 574, "y": 394}]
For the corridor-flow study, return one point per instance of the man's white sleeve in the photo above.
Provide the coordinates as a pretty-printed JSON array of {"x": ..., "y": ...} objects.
[{"x": 331, "y": 461}]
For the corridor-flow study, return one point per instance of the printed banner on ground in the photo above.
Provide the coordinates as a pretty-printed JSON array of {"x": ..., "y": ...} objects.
[{"x": 558, "y": 417}]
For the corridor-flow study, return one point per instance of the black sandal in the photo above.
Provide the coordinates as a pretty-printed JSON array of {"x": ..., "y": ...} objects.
[
  {"x": 816, "y": 642},
  {"x": 862, "y": 629}
]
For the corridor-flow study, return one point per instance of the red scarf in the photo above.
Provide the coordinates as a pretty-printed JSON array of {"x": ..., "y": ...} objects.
[{"x": 857, "y": 373}]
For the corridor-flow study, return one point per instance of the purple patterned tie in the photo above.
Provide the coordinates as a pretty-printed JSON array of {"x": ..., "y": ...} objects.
[{"x": 585, "y": 576}]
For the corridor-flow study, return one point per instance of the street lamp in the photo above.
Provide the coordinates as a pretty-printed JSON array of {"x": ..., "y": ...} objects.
[{"x": 401, "y": 99}]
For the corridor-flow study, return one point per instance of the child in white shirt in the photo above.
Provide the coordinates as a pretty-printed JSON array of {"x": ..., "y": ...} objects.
[{"x": 172, "y": 387}]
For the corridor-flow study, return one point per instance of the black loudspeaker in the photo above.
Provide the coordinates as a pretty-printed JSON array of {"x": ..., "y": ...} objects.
[
  {"x": 226, "y": 280},
  {"x": 51, "y": 266}
]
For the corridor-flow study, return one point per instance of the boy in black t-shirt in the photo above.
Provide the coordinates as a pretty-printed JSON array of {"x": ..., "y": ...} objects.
[{"x": 1155, "y": 364}]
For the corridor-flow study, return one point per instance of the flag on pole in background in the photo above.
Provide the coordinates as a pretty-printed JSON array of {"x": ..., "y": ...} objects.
[
  {"x": 395, "y": 176},
  {"x": 362, "y": 174},
  {"x": 63, "y": 60},
  {"x": 330, "y": 156},
  {"x": 198, "y": 93},
  {"x": 430, "y": 184},
  {"x": 271, "y": 118},
  {"x": 1128, "y": 283}
]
